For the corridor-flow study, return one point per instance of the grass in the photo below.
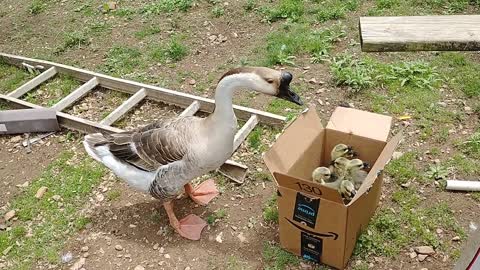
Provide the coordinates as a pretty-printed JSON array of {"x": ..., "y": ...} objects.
[
  {"x": 471, "y": 146},
  {"x": 52, "y": 91},
  {"x": 112, "y": 195},
  {"x": 166, "y": 6},
  {"x": 463, "y": 165},
  {"x": 391, "y": 231},
  {"x": 403, "y": 169},
  {"x": 37, "y": 6},
  {"x": 270, "y": 210},
  {"x": 120, "y": 60},
  {"x": 147, "y": 31},
  {"x": 278, "y": 259},
  {"x": 218, "y": 11},
  {"x": 172, "y": 51},
  {"x": 217, "y": 215},
  {"x": 73, "y": 39},
  {"x": 415, "y": 7},
  {"x": 462, "y": 72},
  {"x": 255, "y": 138},
  {"x": 334, "y": 9},
  {"x": 72, "y": 178},
  {"x": 12, "y": 77},
  {"x": 291, "y": 10}
]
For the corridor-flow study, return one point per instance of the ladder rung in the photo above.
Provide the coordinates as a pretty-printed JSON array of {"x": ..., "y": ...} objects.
[
  {"x": 192, "y": 109},
  {"x": 125, "y": 107},
  {"x": 76, "y": 95},
  {"x": 47, "y": 74},
  {"x": 244, "y": 131}
]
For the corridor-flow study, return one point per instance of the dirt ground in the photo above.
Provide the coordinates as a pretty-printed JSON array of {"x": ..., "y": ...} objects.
[{"x": 131, "y": 229}]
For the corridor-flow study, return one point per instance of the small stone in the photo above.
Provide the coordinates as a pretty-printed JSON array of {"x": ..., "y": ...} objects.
[
  {"x": 84, "y": 249},
  {"x": 219, "y": 237},
  {"x": 320, "y": 101},
  {"x": 467, "y": 109},
  {"x": 422, "y": 257},
  {"x": 100, "y": 197},
  {"x": 3, "y": 227},
  {"x": 67, "y": 257},
  {"x": 24, "y": 185},
  {"x": 118, "y": 247},
  {"x": 439, "y": 231},
  {"x": 16, "y": 139},
  {"x": 424, "y": 268},
  {"x": 305, "y": 266},
  {"x": 167, "y": 256},
  {"x": 456, "y": 238},
  {"x": 241, "y": 237},
  {"x": 85, "y": 255},
  {"x": 426, "y": 250},
  {"x": 406, "y": 185},
  {"x": 155, "y": 247},
  {"x": 192, "y": 82},
  {"x": 412, "y": 255},
  {"x": 139, "y": 267},
  {"x": 9, "y": 215},
  {"x": 162, "y": 250},
  {"x": 56, "y": 198},
  {"x": 40, "y": 192},
  {"x": 78, "y": 264},
  {"x": 312, "y": 81},
  {"x": 187, "y": 268}
]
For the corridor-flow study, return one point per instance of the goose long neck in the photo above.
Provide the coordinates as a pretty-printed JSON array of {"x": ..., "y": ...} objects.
[{"x": 224, "y": 94}]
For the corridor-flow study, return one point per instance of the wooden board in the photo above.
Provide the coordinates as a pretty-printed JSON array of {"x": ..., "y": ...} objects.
[
  {"x": 28, "y": 120},
  {"x": 124, "y": 108},
  {"x": 76, "y": 95},
  {"x": 153, "y": 92},
  {"x": 420, "y": 33},
  {"x": 33, "y": 83}
]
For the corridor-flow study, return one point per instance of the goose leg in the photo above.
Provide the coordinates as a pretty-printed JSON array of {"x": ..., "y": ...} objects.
[
  {"x": 189, "y": 227},
  {"x": 203, "y": 193}
]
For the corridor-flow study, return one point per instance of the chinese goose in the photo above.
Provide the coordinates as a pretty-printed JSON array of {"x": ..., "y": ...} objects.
[
  {"x": 162, "y": 158},
  {"x": 356, "y": 172}
]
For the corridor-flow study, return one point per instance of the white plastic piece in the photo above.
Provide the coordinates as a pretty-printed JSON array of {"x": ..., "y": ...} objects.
[{"x": 463, "y": 185}]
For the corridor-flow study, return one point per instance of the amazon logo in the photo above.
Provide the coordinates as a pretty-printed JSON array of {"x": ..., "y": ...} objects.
[{"x": 332, "y": 235}]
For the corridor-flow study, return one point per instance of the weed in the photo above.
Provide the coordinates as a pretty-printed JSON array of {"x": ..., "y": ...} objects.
[
  {"x": 121, "y": 60},
  {"x": 113, "y": 195},
  {"x": 37, "y": 6},
  {"x": 437, "y": 172},
  {"x": 270, "y": 210},
  {"x": 173, "y": 51},
  {"x": 464, "y": 165},
  {"x": 12, "y": 77},
  {"x": 217, "y": 215},
  {"x": 166, "y": 6},
  {"x": 287, "y": 9},
  {"x": 403, "y": 169},
  {"x": 99, "y": 26},
  {"x": 127, "y": 13},
  {"x": 334, "y": 9},
  {"x": 147, "y": 31},
  {"x": 416, "y": 74},
  {"x": 471, "y": 147},
  {"x": 462, "y": 71},
  {"x": 218, "y": 11},
  {"x": 71, "y": 177},
  {"x": 277, "y": 258},
  {"x": 255, "y": 138},
  {"x": 250, "y": 5},
  {"x": 357, "y": 74},
  {"x": 73, "y": 39}
]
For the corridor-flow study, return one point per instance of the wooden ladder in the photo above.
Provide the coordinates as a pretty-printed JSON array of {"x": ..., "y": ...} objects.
[{"x": 138, "y": 91}]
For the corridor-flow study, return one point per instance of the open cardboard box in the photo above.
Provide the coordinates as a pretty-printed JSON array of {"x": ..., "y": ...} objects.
[{"x": 314, "y": 222}]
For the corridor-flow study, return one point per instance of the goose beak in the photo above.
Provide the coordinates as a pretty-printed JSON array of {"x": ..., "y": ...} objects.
[
  {"x": 366, "y": 165},
  {"x": 285, "y": 92}
]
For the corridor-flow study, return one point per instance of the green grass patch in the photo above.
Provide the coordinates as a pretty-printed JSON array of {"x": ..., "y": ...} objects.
[
  {"x": 462, "y": 71},
  {"x": 417, "y": 7},
  {"x": 73, "y": 39},
  {"x": 125, "y": 12},
  {"x": 121, "y": 60},
  {"x": 147, "y": 31},
  {"x": 217, "y": 215},
  {"x": 334, "y": 9},
  {"x": 255, "y": 138},
  {"x": 391, "y": 231},
  {"x": 292, "y": 10},
  {"x": 278, "y": 259},
  {"x": 218, "y": 11},
  {"x": 464, "y": 165},
  {"x": 172, "y": 51},
  {"x": 12, "y": 77},
  {"x": 403, "y": 169},
  {"x": 270, "y": 210},
  {"x": 72, "y": 178},
  {"x": 112, "y": 195},
  {"x": 471, "y": 146},
  {"x": 37, "y": 6},
  {"x": 53, "y": 90},
  {"x": 166, "y": 6}
]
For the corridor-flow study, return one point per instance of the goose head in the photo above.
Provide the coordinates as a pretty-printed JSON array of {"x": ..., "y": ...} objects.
[
  {"x": 357, "y": 164},
  {"x": 264, "y": 80},
  {"x": 341, "y": 150},
  {"x": 321, "y": 174}
]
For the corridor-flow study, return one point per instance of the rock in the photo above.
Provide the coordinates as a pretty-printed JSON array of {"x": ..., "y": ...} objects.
[
  {"x": 24, "y": 185},
  {"x": 155, "y": 247},
  {"x": 56, "y": 198},
  {"x": 162, "y": 250},
  {"x": 219, "y": 237},
  {"x": 443, "y": 104},
  {"x": 312, "y": 81},
  {"x": 412, "y": 255},
  {"x": 3, "y": 227},
  {"x": 187, "y": 268},
  {"x": 305, "y": 266},
  {"x": 397, "y": 155},
  {"x": 67, "y": 257},
  {"x": 241, "y": 237},
  {"x": 456, "y": 238},
  {"x": 78, "y": 264},
  {"x": 320, "y": 101},
  {"x": 9, "y": 215},
  {"x": 426, "y": 250},
  {"x": 118, "y": 247},
  {"x": 467, "y": 109},
  {"x": 139, "y": 267},
  {"x": 406, "y": 185},
  {"x": 167, "y": 256},
  {"x": 192, "y": 82},
  {"x": 40, "y": 192},
  {"x": 84, "y": 249},
  {"x": 422, "y": 257},
  {"x": 16, "y": 139},
  {"x": 424, "y": 268},
  {"x": 439, "y": 231}
]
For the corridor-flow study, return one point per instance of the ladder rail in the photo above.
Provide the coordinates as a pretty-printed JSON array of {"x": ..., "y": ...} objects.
[
  {"x": 126, "y": 106},
  {"x": 33, "y": 83}
]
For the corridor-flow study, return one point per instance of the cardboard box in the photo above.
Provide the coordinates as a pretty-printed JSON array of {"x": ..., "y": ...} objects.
[{"x": 314, "y": 222}]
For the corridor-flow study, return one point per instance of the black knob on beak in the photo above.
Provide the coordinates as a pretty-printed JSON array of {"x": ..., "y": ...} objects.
[{"x": 287, "y": 77}]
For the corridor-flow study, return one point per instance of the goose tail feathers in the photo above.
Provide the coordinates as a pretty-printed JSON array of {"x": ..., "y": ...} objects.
[{"x": 93, "y": 145}]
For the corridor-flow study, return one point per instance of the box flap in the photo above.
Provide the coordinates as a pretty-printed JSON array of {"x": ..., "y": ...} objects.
[
  {"x": 378, "y": 167},
  {"x": 361, "y": 123},
  {"x": 308, "y": 187},
  {"x": 291, "y": 144}
]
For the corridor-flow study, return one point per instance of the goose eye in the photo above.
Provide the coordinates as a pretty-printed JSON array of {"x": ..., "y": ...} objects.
[{"x": 270, "y": 80}]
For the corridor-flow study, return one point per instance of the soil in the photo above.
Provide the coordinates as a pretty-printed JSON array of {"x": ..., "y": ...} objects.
[{"x": 137, "y": 222}]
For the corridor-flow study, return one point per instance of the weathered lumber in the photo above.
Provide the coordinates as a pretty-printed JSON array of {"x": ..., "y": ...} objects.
[
  {"x": 420, "y": 33},
  {"x": 153, "y": 92},
  {"x": 124, "y": 108},
  {"x": 76, "y": 95},
  {"x": 28, "y": 86},
  {"x": 192, "y": 109},
  {"x": 244, "y": 131},
  {"x": 28, "y": 120}
]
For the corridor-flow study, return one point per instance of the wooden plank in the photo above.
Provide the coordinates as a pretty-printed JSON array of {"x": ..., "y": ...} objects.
[
  {"x": 244, "y": 131},
  {"x": 420, "y": 33},
  {"x": 153, "y": 92},
  {"x": 192, "y": 109},
  {"x": 76, "y": 95},
  {"x": 124, "y": 108},
  {"x": 33, "y": 83},
  {"x": 28, "y": 120},
  {"x": 66, "y": 120}
]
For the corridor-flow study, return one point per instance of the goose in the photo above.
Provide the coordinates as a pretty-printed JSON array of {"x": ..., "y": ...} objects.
[
  {"x": 162, "y": 158},
  {"x": 341, "y": 150},
  {"x": 355, "y": 172},
  {"x": 344, "y": 186}
]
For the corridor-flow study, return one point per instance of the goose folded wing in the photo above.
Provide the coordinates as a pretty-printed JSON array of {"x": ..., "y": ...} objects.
[{"x": 149, "y": 149}]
